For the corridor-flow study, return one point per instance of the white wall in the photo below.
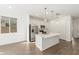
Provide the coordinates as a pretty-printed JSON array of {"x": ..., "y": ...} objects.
[
  {"x": 61, "y": 25},
  {"x": 22, "y": 30}
]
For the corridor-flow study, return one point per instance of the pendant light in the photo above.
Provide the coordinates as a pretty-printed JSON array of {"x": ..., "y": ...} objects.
[{"x": 45, "y": 17}]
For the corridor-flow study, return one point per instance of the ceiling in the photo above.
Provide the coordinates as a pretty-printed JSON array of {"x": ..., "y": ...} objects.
[{"x": 38, "y": 9}]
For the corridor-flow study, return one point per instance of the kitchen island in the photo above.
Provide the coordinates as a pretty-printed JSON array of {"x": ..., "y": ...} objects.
[{"x": 44, "y": 41}]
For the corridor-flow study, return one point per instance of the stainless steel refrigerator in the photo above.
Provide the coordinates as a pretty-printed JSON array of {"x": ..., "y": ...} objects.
[{"x": 33, "y": 30}]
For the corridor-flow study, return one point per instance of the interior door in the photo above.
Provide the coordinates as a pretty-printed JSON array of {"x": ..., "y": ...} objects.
[{"x": 75, "y": 32}]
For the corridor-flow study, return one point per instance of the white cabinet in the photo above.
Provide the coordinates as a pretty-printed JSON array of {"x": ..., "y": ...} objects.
[{"x": 44, "y": 41}]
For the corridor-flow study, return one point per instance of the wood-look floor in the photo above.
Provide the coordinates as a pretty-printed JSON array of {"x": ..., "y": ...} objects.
[{"x": 24, "y": 48}]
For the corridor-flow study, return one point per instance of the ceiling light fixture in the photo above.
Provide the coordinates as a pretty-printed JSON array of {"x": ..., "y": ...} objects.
[
  {"x": 49, "y": 16},
  {"x": 45, "y": 17}
]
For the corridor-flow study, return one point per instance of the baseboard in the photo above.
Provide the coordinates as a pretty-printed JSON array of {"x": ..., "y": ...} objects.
[
  {"x": 62, "y": 40},
  {"x": 13, "y": 43}
]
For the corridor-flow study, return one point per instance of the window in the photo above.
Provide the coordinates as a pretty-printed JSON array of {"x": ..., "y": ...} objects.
[
  {"x": 8, "y": 24},
  {"x": 13, "y": 25}
]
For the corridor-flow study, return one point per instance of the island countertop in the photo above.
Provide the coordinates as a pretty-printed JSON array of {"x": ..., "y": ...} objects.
[
  {"x": 48, "y": 35},
  {"x": 44, "y": 41}
]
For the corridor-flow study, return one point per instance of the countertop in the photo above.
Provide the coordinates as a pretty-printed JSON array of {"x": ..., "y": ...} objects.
[{"x": 48, "y": 35}]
